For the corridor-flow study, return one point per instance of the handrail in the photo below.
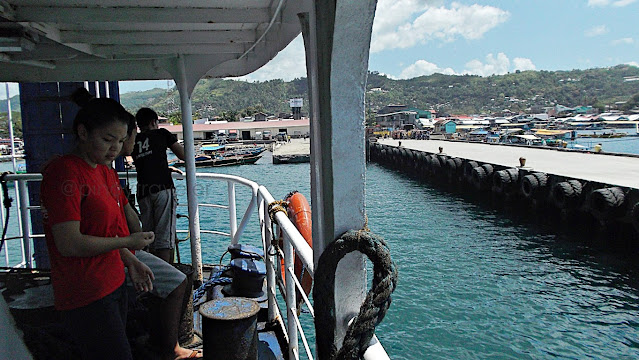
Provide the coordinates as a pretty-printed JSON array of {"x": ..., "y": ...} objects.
[{"x": 294, "y": 245}]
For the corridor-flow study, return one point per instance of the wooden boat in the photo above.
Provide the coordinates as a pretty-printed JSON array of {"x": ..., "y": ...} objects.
[{"x": 208, "y": 161}]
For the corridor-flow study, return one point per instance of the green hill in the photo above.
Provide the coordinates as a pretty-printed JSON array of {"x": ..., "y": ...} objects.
[
  {"x": 458, "y": 94},
  {"x": 468, "y": 94}
]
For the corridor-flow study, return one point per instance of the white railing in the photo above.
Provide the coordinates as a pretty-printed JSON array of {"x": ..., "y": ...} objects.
[{"x": 293, "y": 244}]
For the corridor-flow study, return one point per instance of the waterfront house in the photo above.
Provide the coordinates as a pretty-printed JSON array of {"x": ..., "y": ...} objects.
[{"x": 445, "y": 126}]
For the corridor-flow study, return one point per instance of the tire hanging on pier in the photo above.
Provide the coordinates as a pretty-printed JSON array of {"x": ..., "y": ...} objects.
[
  {"x": 566, "y": 194},
  {"x": 468, "y": 170},
  {"x": 634, "y": 216},
  {"x": 504, "y": 180},
  {"x": 607, "y": 203},
  {"x": 532, "y": 184},
  {"x": 481, "y": 174}
]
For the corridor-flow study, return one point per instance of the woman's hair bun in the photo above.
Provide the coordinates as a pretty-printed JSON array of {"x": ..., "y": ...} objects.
[{"x": 81, "y": 97}]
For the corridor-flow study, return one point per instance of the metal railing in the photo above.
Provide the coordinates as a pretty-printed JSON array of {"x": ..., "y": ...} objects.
[{"x": 292, "y": 245}]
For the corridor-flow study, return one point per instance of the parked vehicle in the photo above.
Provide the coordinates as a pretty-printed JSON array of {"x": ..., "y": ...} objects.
[{"x": 266, "y": 135}]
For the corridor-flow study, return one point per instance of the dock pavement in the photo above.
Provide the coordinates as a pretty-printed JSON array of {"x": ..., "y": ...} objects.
[{"x": 602, "y": 168}]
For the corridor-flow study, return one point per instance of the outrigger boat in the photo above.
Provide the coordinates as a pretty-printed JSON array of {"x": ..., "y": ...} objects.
[
  {"x": 219, "y": 160},
  {"x": 53, "y": 47}
]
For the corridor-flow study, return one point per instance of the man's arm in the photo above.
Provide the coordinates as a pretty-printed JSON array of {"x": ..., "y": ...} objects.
[{"x": 178, "y": 150}]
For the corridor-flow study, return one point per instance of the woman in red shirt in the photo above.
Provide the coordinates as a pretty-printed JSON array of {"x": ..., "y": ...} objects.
[{"x": 85, "y": 220}]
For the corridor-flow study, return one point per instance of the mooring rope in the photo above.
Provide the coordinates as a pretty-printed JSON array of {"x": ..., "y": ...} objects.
[
  {"x": 275, "y": 206},
  {"x": 375, "y": 305},
  {"x": 215, "y": 279}
]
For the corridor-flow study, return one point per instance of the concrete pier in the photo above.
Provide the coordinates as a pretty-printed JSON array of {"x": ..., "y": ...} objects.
[
  {"x": 296, "y": 151},
  {"x": 603, "y": 168},
  {"x": 590, "y": 188}
]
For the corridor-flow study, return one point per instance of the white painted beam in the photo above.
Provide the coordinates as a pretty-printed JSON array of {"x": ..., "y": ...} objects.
[
  {"x": 155, "y": 15},
  {"x": 236, "y": 4},
  {"x": 123, "y": 50},
  {"x": 119, "y": 26},
  {"x": 157, "y": 37}
]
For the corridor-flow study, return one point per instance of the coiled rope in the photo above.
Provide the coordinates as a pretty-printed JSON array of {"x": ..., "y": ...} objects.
[
  {"x": 275, "y": 206},
  {"x": 375, "y": 305},
  {"x": 215, "y": 279}
]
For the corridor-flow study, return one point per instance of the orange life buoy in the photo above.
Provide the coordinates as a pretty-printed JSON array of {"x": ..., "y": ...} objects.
[{"x": 299, "y": 212}]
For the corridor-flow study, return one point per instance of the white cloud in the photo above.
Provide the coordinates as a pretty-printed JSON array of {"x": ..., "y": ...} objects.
[
  {"x": 602, "y": 3},
  {"x": 633, "y": 63},
  {"x": 596, "y": 31},
  {"x": 494, "y": 65},
  {"x": 289, "y": 64},
  {"x": 498, "y": 65},
  {"x": 622, "y": 3},
  {"x": 523, "y": 64},
  {"x": 423, "y": 67},
  {"x": 623, "y": 41},
  {"x": 406, "y": 23}
]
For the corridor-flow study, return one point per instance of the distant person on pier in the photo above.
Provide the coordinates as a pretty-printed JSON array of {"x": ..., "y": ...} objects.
[
  {"x": 598, "y": 148},
  {"x": 156, "y": 192}
]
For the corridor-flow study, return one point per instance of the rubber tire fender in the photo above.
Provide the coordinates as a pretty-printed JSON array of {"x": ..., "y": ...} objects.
[
  {"x": 531, "y": 183},
  {"x": 634, "y": 216},
  {"x": 468, "y": 169},
  {"x": 566, "y": 193},
  {"x": 605, "y": 203},
  {"x": 501, "y": 179},
  {"x": 479, "y": 177}
]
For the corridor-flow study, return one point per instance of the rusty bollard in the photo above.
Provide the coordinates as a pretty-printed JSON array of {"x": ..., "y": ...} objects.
[{"x": 229, "y": 328}]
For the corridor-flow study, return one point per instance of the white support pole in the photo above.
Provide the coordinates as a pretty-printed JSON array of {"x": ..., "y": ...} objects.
[
  {"x": 340, "y": 33},
  {"x": 10, "y": 125},
  {"x": 24, "y": 215},
  {"x": 189, "y": 153},
  {"x": 291, "y": 326},
  {"x": 232, "y": 211},
  {"x": 20, "y": 192}
]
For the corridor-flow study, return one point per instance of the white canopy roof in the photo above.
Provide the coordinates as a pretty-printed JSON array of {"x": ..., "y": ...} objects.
[{"x": 77, "y": 40}]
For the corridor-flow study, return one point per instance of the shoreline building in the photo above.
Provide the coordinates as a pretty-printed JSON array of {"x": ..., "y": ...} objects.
[{"x": 245, "y": 130}]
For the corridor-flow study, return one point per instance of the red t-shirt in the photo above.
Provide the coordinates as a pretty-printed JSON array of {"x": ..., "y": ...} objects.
[{"x": 72, "y": 190}]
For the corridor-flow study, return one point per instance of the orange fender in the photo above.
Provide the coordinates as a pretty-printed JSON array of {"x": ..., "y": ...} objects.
[{"x": 299, "y": 212}]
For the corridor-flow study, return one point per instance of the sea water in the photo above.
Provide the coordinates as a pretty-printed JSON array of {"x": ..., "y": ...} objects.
[{"x": 474, "y": 282}]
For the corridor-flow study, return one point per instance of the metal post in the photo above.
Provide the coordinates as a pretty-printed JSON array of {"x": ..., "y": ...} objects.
[
  {"x": 24, "y": 214},
  {"x": 270, "y": 259},
  {"x": 340, "y": 33},
  {"x": 232, "y": 211},
  {"x": 189, "y": 152},
  {"x": 291, "y": 326},
  {"x": 19, "y": 192}
]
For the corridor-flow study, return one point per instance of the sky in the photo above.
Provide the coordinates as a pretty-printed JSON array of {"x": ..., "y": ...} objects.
[{"x": 420, "y": 37}]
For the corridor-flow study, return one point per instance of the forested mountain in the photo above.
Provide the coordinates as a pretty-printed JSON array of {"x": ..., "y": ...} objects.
[
  {"x": 467, "y": 94},
  {"x": 463, "y": 94}
]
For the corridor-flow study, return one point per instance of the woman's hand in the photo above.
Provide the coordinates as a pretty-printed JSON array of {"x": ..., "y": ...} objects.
[
  {"x": 141, "y": 276},
  {"x": 140, "y": 240}
]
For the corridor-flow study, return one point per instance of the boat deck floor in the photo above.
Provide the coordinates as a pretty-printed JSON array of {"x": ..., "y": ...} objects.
[{"x": 46, "y": 338}]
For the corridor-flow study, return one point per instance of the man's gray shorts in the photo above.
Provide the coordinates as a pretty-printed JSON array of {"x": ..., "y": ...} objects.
[
  {"x": 157, "y": 212},
  {"x": 167, "y": 277}
]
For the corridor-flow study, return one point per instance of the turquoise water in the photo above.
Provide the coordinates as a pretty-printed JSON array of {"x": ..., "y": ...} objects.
[
  {"x": 474, "y": 282},
  {"x": 628, "y": 144}
]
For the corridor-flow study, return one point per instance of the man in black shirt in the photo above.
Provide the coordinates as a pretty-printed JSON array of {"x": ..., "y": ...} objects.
[{"x": 156, "y": 193}]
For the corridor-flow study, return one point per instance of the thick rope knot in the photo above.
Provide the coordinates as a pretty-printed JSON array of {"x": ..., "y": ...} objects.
[
  {"x": 375, "y": 305},
  {"x": 275, "y": 206}
]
